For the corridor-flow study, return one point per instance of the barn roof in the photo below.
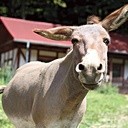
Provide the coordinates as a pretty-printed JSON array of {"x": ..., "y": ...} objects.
[
  {"x": 22, "y": 31},
  {"x": 119, "y": 43}
]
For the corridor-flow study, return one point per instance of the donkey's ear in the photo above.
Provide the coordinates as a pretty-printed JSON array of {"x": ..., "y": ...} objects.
[
  {"x": 115, "y": 19},
  {"x": 58, "y": 33}
]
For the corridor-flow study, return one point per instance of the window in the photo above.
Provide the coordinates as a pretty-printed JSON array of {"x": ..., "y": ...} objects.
[{"x": 117, "y": 70}]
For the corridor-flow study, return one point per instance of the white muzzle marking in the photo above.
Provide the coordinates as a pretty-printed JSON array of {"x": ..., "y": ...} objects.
[
  {"x": 91, "y": 58},
  {"x": 88, "y": 69}
]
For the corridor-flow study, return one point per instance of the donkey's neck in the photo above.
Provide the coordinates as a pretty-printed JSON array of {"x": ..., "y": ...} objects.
[{"x": 75, "y": 89}]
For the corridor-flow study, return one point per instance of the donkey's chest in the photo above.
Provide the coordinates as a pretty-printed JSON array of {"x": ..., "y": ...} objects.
[{"x": 65, "y": 119}]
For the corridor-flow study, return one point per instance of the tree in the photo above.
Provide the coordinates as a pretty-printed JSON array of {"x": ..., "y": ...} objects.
[{"x": 68, "y": 12}]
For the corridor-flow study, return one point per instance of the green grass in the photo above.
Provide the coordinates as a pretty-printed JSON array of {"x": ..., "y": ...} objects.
[{"x": 104, "y": 110}]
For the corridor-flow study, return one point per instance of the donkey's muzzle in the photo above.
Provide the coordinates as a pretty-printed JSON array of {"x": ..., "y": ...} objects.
[
  {"x": 90, "y": 74},
  {"x": 81, "y": 67}
]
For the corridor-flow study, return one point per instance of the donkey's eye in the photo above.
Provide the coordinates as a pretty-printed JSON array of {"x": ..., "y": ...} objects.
[
  {"x": 106, "y": 41},
  {"x": 74, "y": 40}
]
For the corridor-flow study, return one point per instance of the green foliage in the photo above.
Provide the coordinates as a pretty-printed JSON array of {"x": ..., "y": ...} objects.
[
  {"x": 5, "y": 75},
  {"x": 108, "y": 88},
  {"x": 68, "y": 12},
  {"x": 60, "y": 3}
]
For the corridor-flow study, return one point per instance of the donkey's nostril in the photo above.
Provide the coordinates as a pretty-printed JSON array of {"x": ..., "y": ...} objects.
[
  {"x": 81, "y": 67},
  {"x": 100, "y": 67}
]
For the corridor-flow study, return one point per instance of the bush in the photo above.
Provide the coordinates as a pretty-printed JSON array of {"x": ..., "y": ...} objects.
[
  {"x": 107, "y": 88},
  {"x": 5, "y": 75}
]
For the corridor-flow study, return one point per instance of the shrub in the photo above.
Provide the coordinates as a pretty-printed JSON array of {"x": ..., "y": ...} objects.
[
  {"x": 5, "y": 75},
  {"x": 107, "y": 88}
]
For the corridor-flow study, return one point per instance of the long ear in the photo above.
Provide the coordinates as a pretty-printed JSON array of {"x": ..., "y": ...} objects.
[
  {"x": 58, "y": 33},
  {"x": 115, "y": 19}
]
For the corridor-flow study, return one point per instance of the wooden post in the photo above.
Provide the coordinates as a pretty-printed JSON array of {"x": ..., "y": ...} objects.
[
  {"x": 122, "y": 74},
  {"x": 110, "y": 72},
  {"x": 27, "y": 52}
]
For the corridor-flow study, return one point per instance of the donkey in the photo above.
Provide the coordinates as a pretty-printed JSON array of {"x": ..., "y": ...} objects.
[{"x": 53, "y": 95}]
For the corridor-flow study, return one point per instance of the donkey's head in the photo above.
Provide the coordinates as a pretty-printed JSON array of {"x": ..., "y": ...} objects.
[{"x": 90, "y": 45}]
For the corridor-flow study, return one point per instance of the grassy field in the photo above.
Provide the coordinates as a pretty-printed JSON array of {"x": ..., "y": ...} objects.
[{"x": 104, "y": 110}]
